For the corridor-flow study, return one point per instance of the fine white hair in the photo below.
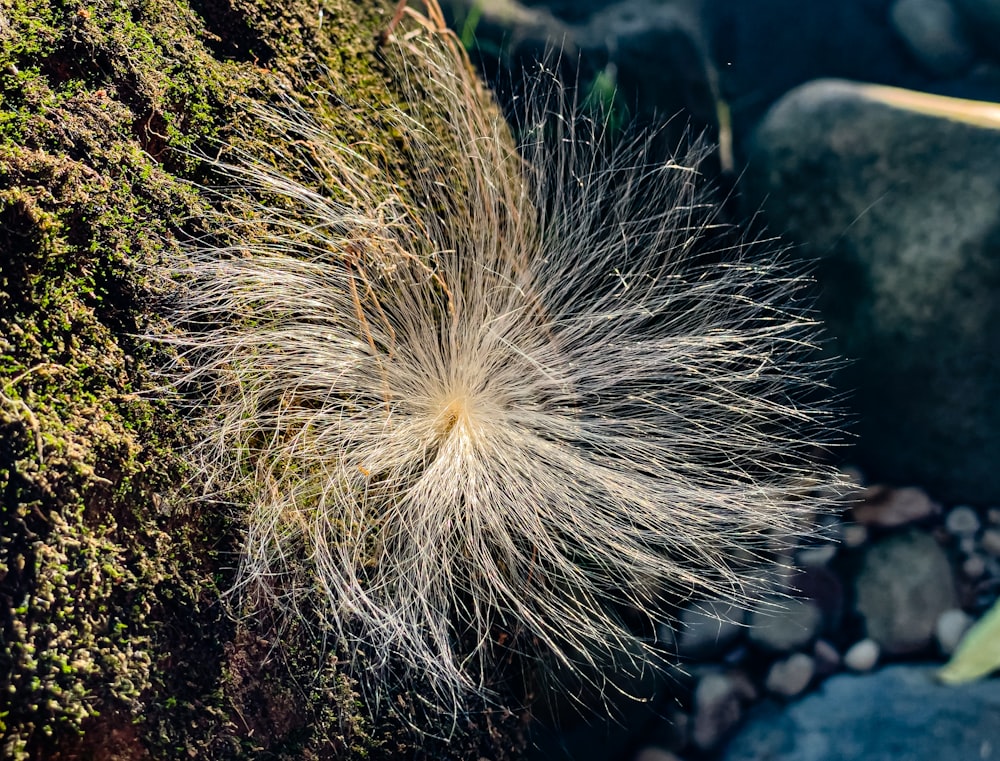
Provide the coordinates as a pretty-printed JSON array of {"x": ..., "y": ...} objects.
[{"x": 533, "y": 386}]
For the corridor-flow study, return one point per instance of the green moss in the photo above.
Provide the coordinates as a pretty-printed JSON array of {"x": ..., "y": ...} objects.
[{"x": 115, "y": 642}]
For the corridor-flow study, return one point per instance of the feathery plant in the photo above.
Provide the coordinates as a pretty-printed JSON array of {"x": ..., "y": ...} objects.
[{"x": 503, "y": 404}]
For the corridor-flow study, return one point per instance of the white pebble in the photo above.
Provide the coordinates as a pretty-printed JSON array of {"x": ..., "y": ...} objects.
[
  {"x": 951, "y": 627},
  {"x": 862, "y": 656}
]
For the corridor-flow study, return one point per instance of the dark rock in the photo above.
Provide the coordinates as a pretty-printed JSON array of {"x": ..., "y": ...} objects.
[
  {"x": 983, "y": 17},
  {"x": 933, "y": 32}
]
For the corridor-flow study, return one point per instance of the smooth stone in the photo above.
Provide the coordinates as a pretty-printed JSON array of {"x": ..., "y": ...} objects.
[
  {"x": 862, "y": 656},
  {"x": 816, "y": 557},
  {"x": 895, "y": 192},
  {"x": 962, "y": 521},
  {"x": 905, "y": 584},
  {"x": 974, "y": 567},
  {"x": 894, "y": 507},
  {"x": 656, "y": 754},
  {"x": 826, "y": 657},
  {"x": 790, "y": 676},
  {"x": 991, "y": 541}
]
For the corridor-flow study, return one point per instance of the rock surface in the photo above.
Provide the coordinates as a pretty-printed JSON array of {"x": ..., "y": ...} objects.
[
  {"x": 897, "y": 714},
  {"x": 897, "y": 192}
]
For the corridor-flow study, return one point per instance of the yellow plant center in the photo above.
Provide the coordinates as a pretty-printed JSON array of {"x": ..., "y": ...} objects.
[{"x": 457, "y": 413}]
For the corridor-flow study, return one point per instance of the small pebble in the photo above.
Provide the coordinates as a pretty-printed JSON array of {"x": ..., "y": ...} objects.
[
  {"x": 962, "y": 522},
  {"x": 816, "y": 557},
  {"x": 894, "y": 507},
  {"x": 974, "y": 567},
  {"x": 993, "y": 515},
  {"x": 670, "y": 731},
  {"x": 990, "y": 541},
  {"x": 791, "y": 676},
  {"x": 951, "y": 627},
  {"x": 855, "y": 535},
  {"x": 826, "y": 656},
  {"x": 862, "y": 656}
]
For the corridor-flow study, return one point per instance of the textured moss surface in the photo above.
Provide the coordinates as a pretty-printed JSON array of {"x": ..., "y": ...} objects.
[{"x": 113, "y": 640}]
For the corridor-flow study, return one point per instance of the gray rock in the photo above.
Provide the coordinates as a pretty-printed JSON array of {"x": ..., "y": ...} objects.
[
  {"x": 896, "y": 714},
  {"x": 905, "y": 584},
  {"x": 897, "y": 193},
  {"x": 659, "y": 54},
  {"x": 933, "y": 32},
  {"x": 785, "y": 624},
  {"x": 791, "y": 676},
  {"x": 855, "y": 535}
]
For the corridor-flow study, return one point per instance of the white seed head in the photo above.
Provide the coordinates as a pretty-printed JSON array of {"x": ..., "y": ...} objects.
[{"x": 502, "y": 402}]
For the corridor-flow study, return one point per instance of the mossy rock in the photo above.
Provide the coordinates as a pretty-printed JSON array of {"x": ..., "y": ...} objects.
[{"x": 114, "y": 642}]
